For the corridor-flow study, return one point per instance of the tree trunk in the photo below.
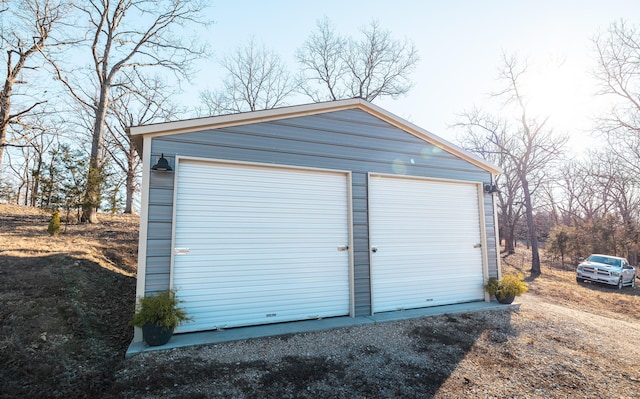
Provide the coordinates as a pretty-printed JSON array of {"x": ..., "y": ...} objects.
[
  {"x": 508, "y": 240},
  {"x": 94, "y": 174},
  {"x": 3, "y": 139},
  {"x": 50, "y": 183},
  {"x": 5, "y": 108},
  {"x": 92, "y": 194},
  {"x": 533, "y": 235},
  {"x": 35, "y": 191},
  {"x": 131, "y": 180},
  {"x": 508, "y": 231},
  {"x": 26, "y": 192}
]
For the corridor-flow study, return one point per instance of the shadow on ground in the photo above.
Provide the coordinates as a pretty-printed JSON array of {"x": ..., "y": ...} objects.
[
  {"x": 408, "y": 359},
  {"x": 64, "y": 326}
]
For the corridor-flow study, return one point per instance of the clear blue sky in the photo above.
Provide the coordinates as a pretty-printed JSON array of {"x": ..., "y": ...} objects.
[{"x": 460, "y": 45}]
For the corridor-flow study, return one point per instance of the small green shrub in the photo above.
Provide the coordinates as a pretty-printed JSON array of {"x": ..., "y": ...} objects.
[
  {"x": 509, "y": 284},
  {"x": 54, "y": 224},
  {"x": 161, "y": 309}
]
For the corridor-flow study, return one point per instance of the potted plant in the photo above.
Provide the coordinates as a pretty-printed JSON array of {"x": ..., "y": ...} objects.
[
  {"x": 159, "y": 315},
  {"x": 506, "y": 288}
]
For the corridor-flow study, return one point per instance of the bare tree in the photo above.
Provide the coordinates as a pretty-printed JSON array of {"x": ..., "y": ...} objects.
[
  {"x": 580, "y": 200},
  {"x": 31, "y": 26},
  {"x": 601, "y": 206},
  {"x": 618, "y": 72},
  {"x": 150, "y": 103},
  {"x": 480, "y": 128},
  {"x": 373, "y": 67},
  {"x": 525, "y": 145},
  {"x": 41, "y": 140},
  {"x": 620, "y": 198},
  {"x": 324, "y": 70},
  {"x": 126, "y": 36},
  {"x": 256, "y": 78}
]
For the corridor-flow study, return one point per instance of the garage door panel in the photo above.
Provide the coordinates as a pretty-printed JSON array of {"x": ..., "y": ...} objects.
[
  {"x": 426, "y": 233},
  {"x": 262, "y": 244},
  {"x": 236, "y": 312},
  {"x": 266, "y": 275},
  {"x": 263, "y": 248},
  {"x": 237, "y": 317},
  {"x": 238, "y": 297}
]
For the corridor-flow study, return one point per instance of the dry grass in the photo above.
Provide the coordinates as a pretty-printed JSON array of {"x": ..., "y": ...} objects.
[
  {"x": 110, "y": 244},
  {"x": 557, "y": 284}
]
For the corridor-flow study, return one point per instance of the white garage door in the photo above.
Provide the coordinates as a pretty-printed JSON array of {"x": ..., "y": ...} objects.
[
  {"x": 256, "y": 245},
  {"x": 426, "y": 237}
]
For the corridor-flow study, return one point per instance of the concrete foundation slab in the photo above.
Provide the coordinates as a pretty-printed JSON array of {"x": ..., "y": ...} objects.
[{"x": 269, "y": 330}]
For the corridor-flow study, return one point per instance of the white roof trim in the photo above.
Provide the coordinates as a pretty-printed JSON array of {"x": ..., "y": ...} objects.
[
  {"x": 243, "y": 118},
  {"x": 216, "y": 122},
  {"x": 432, "y": 138}
]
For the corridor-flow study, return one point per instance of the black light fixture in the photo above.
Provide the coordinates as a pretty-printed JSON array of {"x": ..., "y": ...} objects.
[
  {"x": 490, "y": 188},
  {"x": 162, "y": 164}
]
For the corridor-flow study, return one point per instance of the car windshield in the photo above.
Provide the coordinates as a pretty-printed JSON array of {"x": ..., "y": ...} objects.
[{"x": 605, "y": 259}]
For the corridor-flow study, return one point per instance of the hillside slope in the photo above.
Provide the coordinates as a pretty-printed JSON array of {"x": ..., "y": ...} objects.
[{"x": 66, "y": 303}]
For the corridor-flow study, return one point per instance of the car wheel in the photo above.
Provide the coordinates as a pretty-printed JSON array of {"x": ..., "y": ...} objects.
[
  {"x": 579, "y": 280},
  {"x": 620, "y": 285},
  {"x": 633, "y": 282}
]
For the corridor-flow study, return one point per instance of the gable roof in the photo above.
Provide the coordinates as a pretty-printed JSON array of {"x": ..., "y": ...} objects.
[{"x": 214, "y": 122}]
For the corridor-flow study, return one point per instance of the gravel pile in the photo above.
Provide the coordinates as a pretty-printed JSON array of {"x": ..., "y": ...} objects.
[{"x": 542, "y": 351}]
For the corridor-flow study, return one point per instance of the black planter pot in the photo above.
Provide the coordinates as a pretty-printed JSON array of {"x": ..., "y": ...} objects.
[
  {"x": 506, "y": 299},
  {"x": 155, "y": 335}
]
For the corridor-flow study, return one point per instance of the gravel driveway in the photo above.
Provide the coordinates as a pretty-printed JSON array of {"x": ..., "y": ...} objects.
[{"x": 542, "y": 351}]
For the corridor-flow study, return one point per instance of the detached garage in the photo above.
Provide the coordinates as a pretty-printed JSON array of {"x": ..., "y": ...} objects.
[{"x": 311, "y": 211}]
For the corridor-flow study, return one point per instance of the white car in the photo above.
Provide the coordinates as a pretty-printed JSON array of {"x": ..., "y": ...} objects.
[{"x": 607, "y": 269}]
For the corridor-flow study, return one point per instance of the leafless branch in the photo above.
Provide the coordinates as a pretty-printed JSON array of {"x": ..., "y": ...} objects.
[
  {"x": 256, "y": 79},
  {"x": 376, "y": 66}
]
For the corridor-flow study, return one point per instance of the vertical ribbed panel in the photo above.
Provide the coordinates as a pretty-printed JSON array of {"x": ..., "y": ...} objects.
[
  {"x": 427, "y": 234},
  {"x": 262, "y": 244}
]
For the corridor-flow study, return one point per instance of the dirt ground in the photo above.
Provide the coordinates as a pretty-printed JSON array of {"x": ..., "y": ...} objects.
[{"x": 65, "y": 304}]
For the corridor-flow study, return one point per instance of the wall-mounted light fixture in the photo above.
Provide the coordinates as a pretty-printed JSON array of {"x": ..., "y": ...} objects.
[
  {"x": 490, "y": 188},
  {"x": 162, "y": 164}
]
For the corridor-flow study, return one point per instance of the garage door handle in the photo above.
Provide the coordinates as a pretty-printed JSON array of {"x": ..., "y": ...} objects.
[
  {"x": 477, "y": 245},
  {"x": 374, "y": 249},
  {"x": 181, "y": 251},
  {"x": 343, "y": 248}
]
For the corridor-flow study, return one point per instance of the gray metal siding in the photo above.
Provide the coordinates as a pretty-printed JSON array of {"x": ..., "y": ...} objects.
[
  {"x": 491, "y": 228},
  {"x": 351, "y": 140},
  {"x": 361, "y": 282},
  {"x": 159, "y": 227}
]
